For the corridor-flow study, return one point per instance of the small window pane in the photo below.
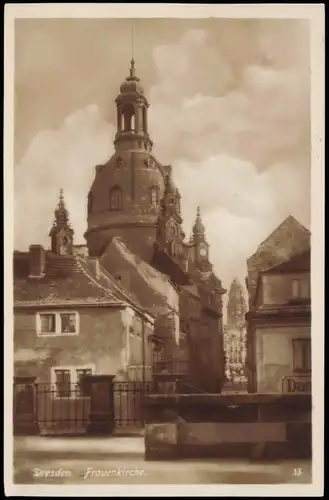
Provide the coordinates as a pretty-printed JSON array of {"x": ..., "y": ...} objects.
[
  {"x": 63, "y": 383},
  {"x": 47, "y": 323},
  {"x": 302, "y": 355},
  {"x": 68, "y": 323}
]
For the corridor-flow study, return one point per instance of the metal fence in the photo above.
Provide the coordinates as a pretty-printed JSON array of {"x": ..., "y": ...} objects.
[
  {"x": 129, "y": 403},
  {"x": 62, "y": 410}
]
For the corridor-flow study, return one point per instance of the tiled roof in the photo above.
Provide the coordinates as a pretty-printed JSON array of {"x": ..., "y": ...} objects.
[
  {"x": 67, "y": 280},
  {"x": 298, "y": 263},
  {"x": 136, "y": 275}
]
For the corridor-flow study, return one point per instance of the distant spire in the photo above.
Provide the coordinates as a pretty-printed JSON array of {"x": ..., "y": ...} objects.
[
  {"x": 61, "y": 233},
  {"x": 132, "y": 62},
  {"x": 61, "y": 203},
  {"x": 61, "y": 213},
  {"x": 236, "y": 306},
  {"x": 198, "y": 227}
]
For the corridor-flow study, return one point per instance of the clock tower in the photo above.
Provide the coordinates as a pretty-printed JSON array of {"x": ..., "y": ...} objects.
[{"x": 201, "y": 245}]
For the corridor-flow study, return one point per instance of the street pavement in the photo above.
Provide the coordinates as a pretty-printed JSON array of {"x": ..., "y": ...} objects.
[{"x": 120, "y": 460}]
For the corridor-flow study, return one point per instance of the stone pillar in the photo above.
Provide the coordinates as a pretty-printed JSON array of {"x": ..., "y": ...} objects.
[
  {"x": 144, "y": 111},
  {"x": 119, "y": 119},
  {"x": 138, "y": 119},
  {"x": 100, "y": 390},
  {"x": 25, "y": 408}
]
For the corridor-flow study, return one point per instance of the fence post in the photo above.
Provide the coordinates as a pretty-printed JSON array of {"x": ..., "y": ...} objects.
[
  {"x": 24, "y": 406},
  {"x": 100, "y": 390}
]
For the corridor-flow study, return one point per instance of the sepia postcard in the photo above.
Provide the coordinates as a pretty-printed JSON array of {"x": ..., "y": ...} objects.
[{"x": 164, "y": 250}]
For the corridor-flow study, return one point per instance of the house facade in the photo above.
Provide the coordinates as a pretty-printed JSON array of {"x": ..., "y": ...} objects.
[
  {"x": 71, "y": 318},
  {"x": 279, "y": 318}
]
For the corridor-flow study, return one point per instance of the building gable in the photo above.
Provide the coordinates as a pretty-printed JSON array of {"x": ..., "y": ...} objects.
[{"x": 288, "y": 239}]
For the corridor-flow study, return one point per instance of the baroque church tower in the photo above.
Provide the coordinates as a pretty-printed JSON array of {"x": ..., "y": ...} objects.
[
  {"x": 132, "y": 190},
  {"x": 133, "y": 198}
]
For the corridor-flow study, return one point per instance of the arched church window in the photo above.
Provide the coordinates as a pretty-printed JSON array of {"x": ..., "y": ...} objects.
[
  {"x": 173, "y": 230},
  {"x": 116, "y": 198},
  {"x": 129, "y": 118}
]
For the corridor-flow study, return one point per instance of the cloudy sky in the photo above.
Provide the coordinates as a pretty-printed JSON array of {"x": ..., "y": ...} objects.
[{"x": 229, "y": 109}]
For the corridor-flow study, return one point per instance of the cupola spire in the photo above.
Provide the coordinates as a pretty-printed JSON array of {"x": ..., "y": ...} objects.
[
  {"x": 198, "y": 228},
  {"x": 61, "y": 233}
]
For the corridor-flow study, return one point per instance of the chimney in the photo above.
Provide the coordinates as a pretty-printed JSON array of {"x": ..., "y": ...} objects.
[
  {"x": 94, "y": 264},
  {"x": 37, "y": 261}
]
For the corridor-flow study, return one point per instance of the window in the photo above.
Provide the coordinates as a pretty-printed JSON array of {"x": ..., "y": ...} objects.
[
  {"x": 150, "y": 162},
  {"x": 120, "y": 162},
  {"x": 67, "y": 380},
  {"x": 63, "y": 383},
  {"x": 68, "y": 323},
  {"x": 301, "y": 355},
  {"x": 295, "y": 288},
  {"x": 116, "y": 198},
  {"x": 57, "y": 323},
  {"x": 301, "y": 288},
  {"x": 154, "y": 196},
  {"x": 47, "y": 323}
]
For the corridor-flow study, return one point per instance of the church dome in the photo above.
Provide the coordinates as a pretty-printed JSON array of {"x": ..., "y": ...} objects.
[
  {"x": 198, "y": 227},
  {"x": 132, "y": 83}
]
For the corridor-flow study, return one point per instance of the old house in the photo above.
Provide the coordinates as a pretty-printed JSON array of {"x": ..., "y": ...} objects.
[
  {"x": 135, "y": 229},
  {"x": 72, "y": 318},
  {"x": 279, "y": 317}
]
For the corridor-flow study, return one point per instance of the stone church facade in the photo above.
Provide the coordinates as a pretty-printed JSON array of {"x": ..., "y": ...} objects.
[{"x": 134, "y": 198}]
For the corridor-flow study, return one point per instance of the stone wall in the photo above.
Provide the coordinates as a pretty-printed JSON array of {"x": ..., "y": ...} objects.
[
  {"x": 274, "y": 355},
  {"x": 257, "y": 426}
]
